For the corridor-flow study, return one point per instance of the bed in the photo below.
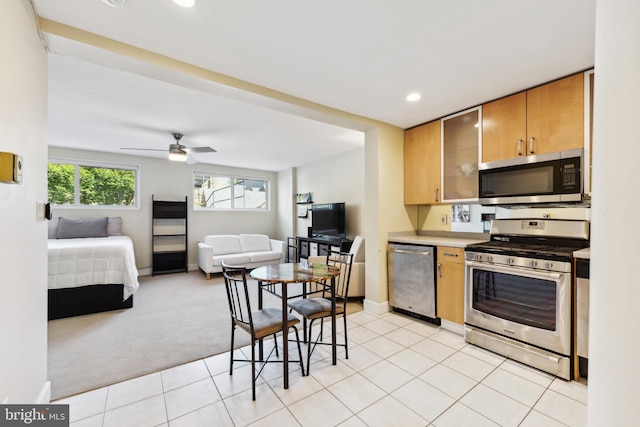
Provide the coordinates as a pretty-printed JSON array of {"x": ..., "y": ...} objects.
[{"x": 91, "y": 267}]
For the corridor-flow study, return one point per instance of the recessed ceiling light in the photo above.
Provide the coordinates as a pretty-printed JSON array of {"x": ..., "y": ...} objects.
[
  {"x": 413, "y": 97},
  {"x": 185, "y": 3},
  {"x": 114, "y": 3}
]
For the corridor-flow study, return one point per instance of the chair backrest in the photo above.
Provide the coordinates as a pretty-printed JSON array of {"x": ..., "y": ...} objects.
[
  {"x": 235, "y": 280},
  {"x": 343, "y": 261}
]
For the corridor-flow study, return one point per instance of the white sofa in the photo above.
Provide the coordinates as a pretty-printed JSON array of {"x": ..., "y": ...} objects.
[
  {"x": 247, "y": 250},
  {"x": 356, "y": 281}
]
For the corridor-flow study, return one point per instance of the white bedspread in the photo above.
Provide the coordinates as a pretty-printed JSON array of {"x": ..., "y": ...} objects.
[{"x": 93, "y": 261}]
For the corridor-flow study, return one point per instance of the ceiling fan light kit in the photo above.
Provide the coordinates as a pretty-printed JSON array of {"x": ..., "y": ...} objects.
[{"x": 178, "y": 156}]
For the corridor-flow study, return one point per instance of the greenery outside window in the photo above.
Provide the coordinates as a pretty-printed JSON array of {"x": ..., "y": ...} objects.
[
  {"x": 229, "y": 192},
  {"x": 90, "y": 184}
]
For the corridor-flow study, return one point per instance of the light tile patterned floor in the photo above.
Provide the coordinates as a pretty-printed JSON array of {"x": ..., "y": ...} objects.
[{"x": 400, "y": 372}]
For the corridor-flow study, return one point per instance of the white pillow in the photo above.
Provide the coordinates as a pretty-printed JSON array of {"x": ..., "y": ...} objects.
[
  {"x": 223, "y": 244},
  {"x": 254, "y": 242}
]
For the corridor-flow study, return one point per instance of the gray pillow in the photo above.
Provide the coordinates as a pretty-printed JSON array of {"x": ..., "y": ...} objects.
[
  {"x": 72, "y": 228},
  {"x": 114, "y": 226},
  {"x": 53, "y": 228}
]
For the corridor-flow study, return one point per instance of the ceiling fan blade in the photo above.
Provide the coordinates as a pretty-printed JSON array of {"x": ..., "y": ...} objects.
[
  {"x": 142, "y": 149},
  {"x": 199, "y": 149},
  {"x": 191, "y": 160}
]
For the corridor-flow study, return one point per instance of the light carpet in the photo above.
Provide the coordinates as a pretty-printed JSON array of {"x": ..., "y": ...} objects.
[{"x": 175, "y": 319}]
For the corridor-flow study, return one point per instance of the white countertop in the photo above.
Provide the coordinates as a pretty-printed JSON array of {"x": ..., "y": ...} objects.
[
  {"x": 455, "y": 242},
  {"x": 583, "y": 253}
]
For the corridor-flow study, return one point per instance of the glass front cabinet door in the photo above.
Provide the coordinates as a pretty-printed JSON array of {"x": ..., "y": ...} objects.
[{"x": 461, "y": 142}]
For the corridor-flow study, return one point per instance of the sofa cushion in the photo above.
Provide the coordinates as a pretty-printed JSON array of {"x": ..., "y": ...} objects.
[
  {"x": 264, "y": 256},
  {"x": 231, "y": 259},
  {"x": 254, "y": 242},
  {"x": 223, "y": 244}
]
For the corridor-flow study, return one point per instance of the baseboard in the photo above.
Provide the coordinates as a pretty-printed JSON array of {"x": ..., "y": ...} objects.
[
  {"x": 376, "y": 308},
  {"x": 144, "y": 271},
  {"x": 452, "y": 327},
  {"x": 45, "y": 394}
]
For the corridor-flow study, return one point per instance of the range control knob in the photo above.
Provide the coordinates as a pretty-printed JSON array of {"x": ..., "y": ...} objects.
[
  {"x": 489, "y": 258},
  {"x": 533, "y": 264},
  {"x": 510, "y": 261},
  {"x": 548, "y": 265}
]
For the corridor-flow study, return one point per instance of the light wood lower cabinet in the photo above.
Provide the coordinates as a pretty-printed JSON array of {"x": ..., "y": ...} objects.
[{"x": 450, "y": 284}]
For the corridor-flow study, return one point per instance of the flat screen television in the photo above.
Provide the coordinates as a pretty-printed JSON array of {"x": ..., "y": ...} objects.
[{"x": 328, "y": 220}]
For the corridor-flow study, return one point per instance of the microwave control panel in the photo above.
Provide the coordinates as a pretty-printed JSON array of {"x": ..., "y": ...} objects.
[{"x": 570, "y": 171}]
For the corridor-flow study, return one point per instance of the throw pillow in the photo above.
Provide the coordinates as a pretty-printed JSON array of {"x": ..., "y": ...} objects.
[
  {"x": 72, "y": 228},
  {"x": 114, "y": 226},
  {"x": 53, "y": 228}
]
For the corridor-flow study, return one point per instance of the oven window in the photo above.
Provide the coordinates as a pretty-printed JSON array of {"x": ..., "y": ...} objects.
[{"x": 524, "y": 300}]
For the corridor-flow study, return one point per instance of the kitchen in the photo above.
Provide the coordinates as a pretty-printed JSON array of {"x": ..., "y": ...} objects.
[{"x": 526, "y": 158}]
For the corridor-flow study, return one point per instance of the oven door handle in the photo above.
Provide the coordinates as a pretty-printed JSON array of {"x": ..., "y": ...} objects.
[{"x": 541, "y": 274}]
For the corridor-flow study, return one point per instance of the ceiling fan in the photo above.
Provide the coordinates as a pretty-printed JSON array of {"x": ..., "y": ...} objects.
[{"x": 177, "y": 151}]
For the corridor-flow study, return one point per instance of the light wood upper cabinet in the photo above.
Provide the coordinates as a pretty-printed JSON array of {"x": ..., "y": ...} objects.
[
  {"x": 555, "y": 116},
  {"x": 450, "y": 284},
  {"x": 504, "y": 128},
  {"x": 422, "y": 164},
  {"x": 541, "y": 120}
]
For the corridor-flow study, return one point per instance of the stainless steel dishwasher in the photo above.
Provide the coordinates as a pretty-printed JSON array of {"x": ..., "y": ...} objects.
[{"x": 412, "y": 279}]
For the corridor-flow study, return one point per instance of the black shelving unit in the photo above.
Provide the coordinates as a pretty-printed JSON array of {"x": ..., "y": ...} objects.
[{"x": 169, "y": 236}]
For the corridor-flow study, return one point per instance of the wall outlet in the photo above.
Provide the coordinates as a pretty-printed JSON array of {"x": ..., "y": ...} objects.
[{"x": 546, "y": 216}]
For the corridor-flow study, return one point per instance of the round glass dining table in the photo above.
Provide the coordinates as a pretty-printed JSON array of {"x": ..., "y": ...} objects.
[{"x": 285, "y": 274}]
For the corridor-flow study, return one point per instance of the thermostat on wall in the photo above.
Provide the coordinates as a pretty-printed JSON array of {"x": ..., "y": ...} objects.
[{"x": 10, "y": 168}]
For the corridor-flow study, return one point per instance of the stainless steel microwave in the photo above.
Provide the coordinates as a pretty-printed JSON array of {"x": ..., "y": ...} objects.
[{"x": 551, "y": 179}]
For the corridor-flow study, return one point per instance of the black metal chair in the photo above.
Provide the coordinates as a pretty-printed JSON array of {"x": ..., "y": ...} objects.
[
  {"x": 258, "y": 324},
  {"x": 319, "y": 307}
]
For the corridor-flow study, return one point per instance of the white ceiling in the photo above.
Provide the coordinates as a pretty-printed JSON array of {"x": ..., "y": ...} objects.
[{"x": 359, "y": 56}]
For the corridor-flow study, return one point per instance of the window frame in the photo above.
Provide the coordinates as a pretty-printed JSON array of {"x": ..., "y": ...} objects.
[
  {"x": 232, "y": 177},
  {"x": 78, "y": 163}
]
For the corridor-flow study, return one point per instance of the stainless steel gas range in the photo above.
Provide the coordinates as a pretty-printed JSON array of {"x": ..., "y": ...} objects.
[{"x": 518, "y": 291}]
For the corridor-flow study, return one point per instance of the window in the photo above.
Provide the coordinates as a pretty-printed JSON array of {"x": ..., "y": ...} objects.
[
  {"x": 78, "y": 183},
  {"x": 228, "y": 192}
]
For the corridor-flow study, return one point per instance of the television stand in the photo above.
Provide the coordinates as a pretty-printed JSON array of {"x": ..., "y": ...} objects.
[{"x": 321, "y": 246}]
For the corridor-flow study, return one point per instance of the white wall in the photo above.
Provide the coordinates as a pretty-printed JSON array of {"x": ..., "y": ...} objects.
[
  {"x": 167, "y": 180},
  {"x": 336, "y": 179},
  {"x": 285, "y": 207},
  {"x": 23, "y": 245},
  {"x": 614, "y": 346}
]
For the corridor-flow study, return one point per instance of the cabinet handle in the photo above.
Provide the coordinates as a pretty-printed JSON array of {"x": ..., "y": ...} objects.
[
  {"x": 453, "y": 255},
  {"x": 531, "y": 145},
  {"x": 520, "y": 147},
  {"x": 437, "y": 195},
  {"x": 439, "y": 270}
]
